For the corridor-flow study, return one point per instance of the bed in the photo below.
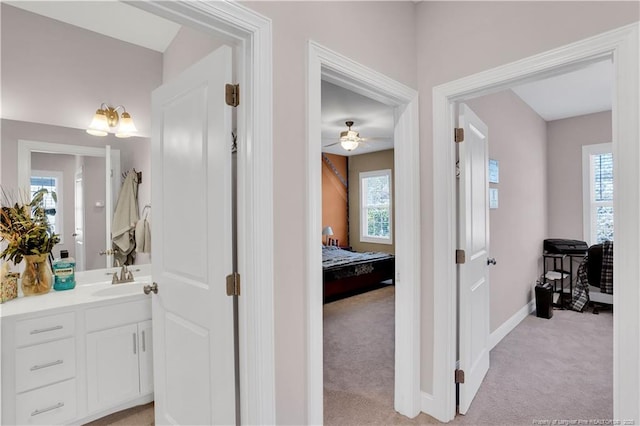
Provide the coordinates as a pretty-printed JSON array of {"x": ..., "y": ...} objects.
[{"x": 345, "y": 272}]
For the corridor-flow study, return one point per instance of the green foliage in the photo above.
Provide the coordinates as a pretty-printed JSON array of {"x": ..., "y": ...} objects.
[{"x": 25, "y": 228}]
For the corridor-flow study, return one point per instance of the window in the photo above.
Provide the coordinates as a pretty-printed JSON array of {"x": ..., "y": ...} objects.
[
  {"x": 597, "y": 171},
  {"x": 51, "y": 181},
  {"x": 375, "y": 207}
]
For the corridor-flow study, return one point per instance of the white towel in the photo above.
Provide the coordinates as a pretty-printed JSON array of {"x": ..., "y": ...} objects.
[
  {"x": 143, "y": 236},
  {"x": 125, "y": 216}
]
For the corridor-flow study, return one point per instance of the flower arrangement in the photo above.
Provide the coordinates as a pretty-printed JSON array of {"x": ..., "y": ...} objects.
[{"x": 25, "y": 228}]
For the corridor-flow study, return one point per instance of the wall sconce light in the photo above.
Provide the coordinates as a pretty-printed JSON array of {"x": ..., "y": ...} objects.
[
  {"x": 327, "y": 231},
  {"x": 107, "y": 117}
]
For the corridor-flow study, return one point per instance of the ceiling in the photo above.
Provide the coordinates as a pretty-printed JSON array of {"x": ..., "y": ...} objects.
[
  {"x": 584, "y": 91},
  {"x": 372, "y": 119},
  {"x": 111, "y": 18}
]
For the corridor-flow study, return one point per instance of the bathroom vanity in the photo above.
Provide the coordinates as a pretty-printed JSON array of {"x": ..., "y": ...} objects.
[{"x": 77, "y": 355}]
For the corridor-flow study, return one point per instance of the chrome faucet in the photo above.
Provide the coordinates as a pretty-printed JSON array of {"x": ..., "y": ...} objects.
[{"x": 126, "y": 276}]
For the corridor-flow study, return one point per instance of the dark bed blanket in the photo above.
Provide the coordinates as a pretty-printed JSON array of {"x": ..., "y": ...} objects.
[
  {"x": 333, "y": 256},
  {"x": 345, "y": 272}
]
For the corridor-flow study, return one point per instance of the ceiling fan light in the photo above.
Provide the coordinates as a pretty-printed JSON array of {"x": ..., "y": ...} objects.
[
  {"x": 349, "y": 139},
  {"x": 99, "y": 125},
  {"x": 348, "y": 144}
]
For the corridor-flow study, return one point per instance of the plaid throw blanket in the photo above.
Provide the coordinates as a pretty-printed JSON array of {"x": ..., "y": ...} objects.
[
  {"x": 580, "y": 295},
  {"x": 606, "y": 280}
]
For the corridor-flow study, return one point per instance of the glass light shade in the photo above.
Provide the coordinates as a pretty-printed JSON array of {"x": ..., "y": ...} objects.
[
  {"x": 349, "y": 140},
  {"x": 327, "y": 230},
  {"x": 126, "y": 126},
  {"x": 349, "y": 144},
  {"x": 99, "y": 125}
]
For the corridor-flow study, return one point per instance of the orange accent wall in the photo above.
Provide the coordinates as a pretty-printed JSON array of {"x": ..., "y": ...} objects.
[{"x": 334, "y": 199}]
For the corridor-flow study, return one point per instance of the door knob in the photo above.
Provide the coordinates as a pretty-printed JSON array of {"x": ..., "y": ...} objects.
[
  {"x": 151, "y": 288},
  {"x": 491, "y": 261}
]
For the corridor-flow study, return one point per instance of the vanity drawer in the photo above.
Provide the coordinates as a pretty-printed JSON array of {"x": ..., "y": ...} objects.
[
  {"x": 43, "y": 329},
  {"x": 44, "y": 364},
  {"x": 55, "y": 404}
]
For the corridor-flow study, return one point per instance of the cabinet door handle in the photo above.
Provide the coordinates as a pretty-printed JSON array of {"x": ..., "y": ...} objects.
[
  {"x": 44, "y": 410},
  {"x": 44, "y": 330},
  {"x": 135, "y": 343},
  {"x": 144, "y": 342},
  {"x": 49, "y": 364}
]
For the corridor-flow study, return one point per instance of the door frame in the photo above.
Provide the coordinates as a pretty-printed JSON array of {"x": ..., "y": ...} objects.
[
  {"x": 325, "y": 64},
  {"x": 251, "y": 36},
  {"x": 622, "y": 45}
]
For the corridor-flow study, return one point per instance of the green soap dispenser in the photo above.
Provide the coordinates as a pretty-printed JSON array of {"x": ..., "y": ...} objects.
[{"x": 64, "y": 271}]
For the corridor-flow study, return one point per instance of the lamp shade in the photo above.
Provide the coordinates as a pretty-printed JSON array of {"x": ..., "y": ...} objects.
[
  {"x": 126, "y": 126},
  {"x": 327, "y": 230},
  {"x": 99, "y": 125}
]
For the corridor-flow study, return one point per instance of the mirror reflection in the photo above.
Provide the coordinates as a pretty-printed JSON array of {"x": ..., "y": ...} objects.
[{"x": 74, "y": 178}]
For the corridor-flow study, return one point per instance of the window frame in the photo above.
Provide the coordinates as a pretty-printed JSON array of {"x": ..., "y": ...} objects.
[
  {"x": 58, "y": 176},
  {"x": 590, "y": 233},
  {"x": 364, "y": 238}
]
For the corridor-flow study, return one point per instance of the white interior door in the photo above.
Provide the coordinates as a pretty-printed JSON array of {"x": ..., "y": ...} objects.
[
  {"x": 193, "y": 336},
  {"x": 473, "y": 238},
  {"x": 78, "y": 233}
]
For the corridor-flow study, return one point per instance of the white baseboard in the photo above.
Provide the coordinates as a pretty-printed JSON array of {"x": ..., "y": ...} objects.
[
  {"x": 429, "y": 405},
  {"x": 511, "y": 323}
]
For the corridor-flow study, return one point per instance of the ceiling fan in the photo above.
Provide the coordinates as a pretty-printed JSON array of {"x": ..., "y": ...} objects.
[{"x": 349, "y": 139}]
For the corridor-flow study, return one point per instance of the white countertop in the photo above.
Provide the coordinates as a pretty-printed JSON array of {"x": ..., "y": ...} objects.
[{"x": 88, "y": 290}]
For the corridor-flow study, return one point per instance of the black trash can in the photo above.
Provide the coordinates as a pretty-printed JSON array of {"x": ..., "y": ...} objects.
[{"x": 544, "y": 300}]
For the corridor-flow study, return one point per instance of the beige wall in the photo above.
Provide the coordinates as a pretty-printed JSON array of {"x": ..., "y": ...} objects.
[
  {"x": 518, "y": 140},
  {"x": 566, "y": 139},
  {"x": 488, "y": 34},
  {"x": 380, "y": 160},
  {"x": 59, "y": 74}
]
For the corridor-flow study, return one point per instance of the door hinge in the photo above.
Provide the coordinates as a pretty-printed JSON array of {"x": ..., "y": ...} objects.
[
  {"x": 458, "y": 134},
  {"x": 232, "y": 94},
  {"x": 459, "y": 376},
  {"x": 233, "y": 284},
  {"x": 461, "y": 257}
]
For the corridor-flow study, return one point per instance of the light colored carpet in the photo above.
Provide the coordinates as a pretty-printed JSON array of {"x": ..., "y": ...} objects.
[{"x": 557, "y": 369}]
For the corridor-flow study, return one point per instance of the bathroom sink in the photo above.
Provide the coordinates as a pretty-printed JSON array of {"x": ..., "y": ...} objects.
[{"x": 120, "y": 289}]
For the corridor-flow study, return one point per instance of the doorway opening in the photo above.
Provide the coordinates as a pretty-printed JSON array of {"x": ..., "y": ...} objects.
[
  {"x": 622, "y": 45},
  {"x": 326, "y": 65},
  {"x": 535, "y": 144},
  {"x": 250, "y": 35},
  {"x": 357, "y": 255}
]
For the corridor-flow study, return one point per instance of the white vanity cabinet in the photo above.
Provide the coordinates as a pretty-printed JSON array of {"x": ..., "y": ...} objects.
[
  {"x": 119, "y": 357},
  {"x": 74, "y": 364}
]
